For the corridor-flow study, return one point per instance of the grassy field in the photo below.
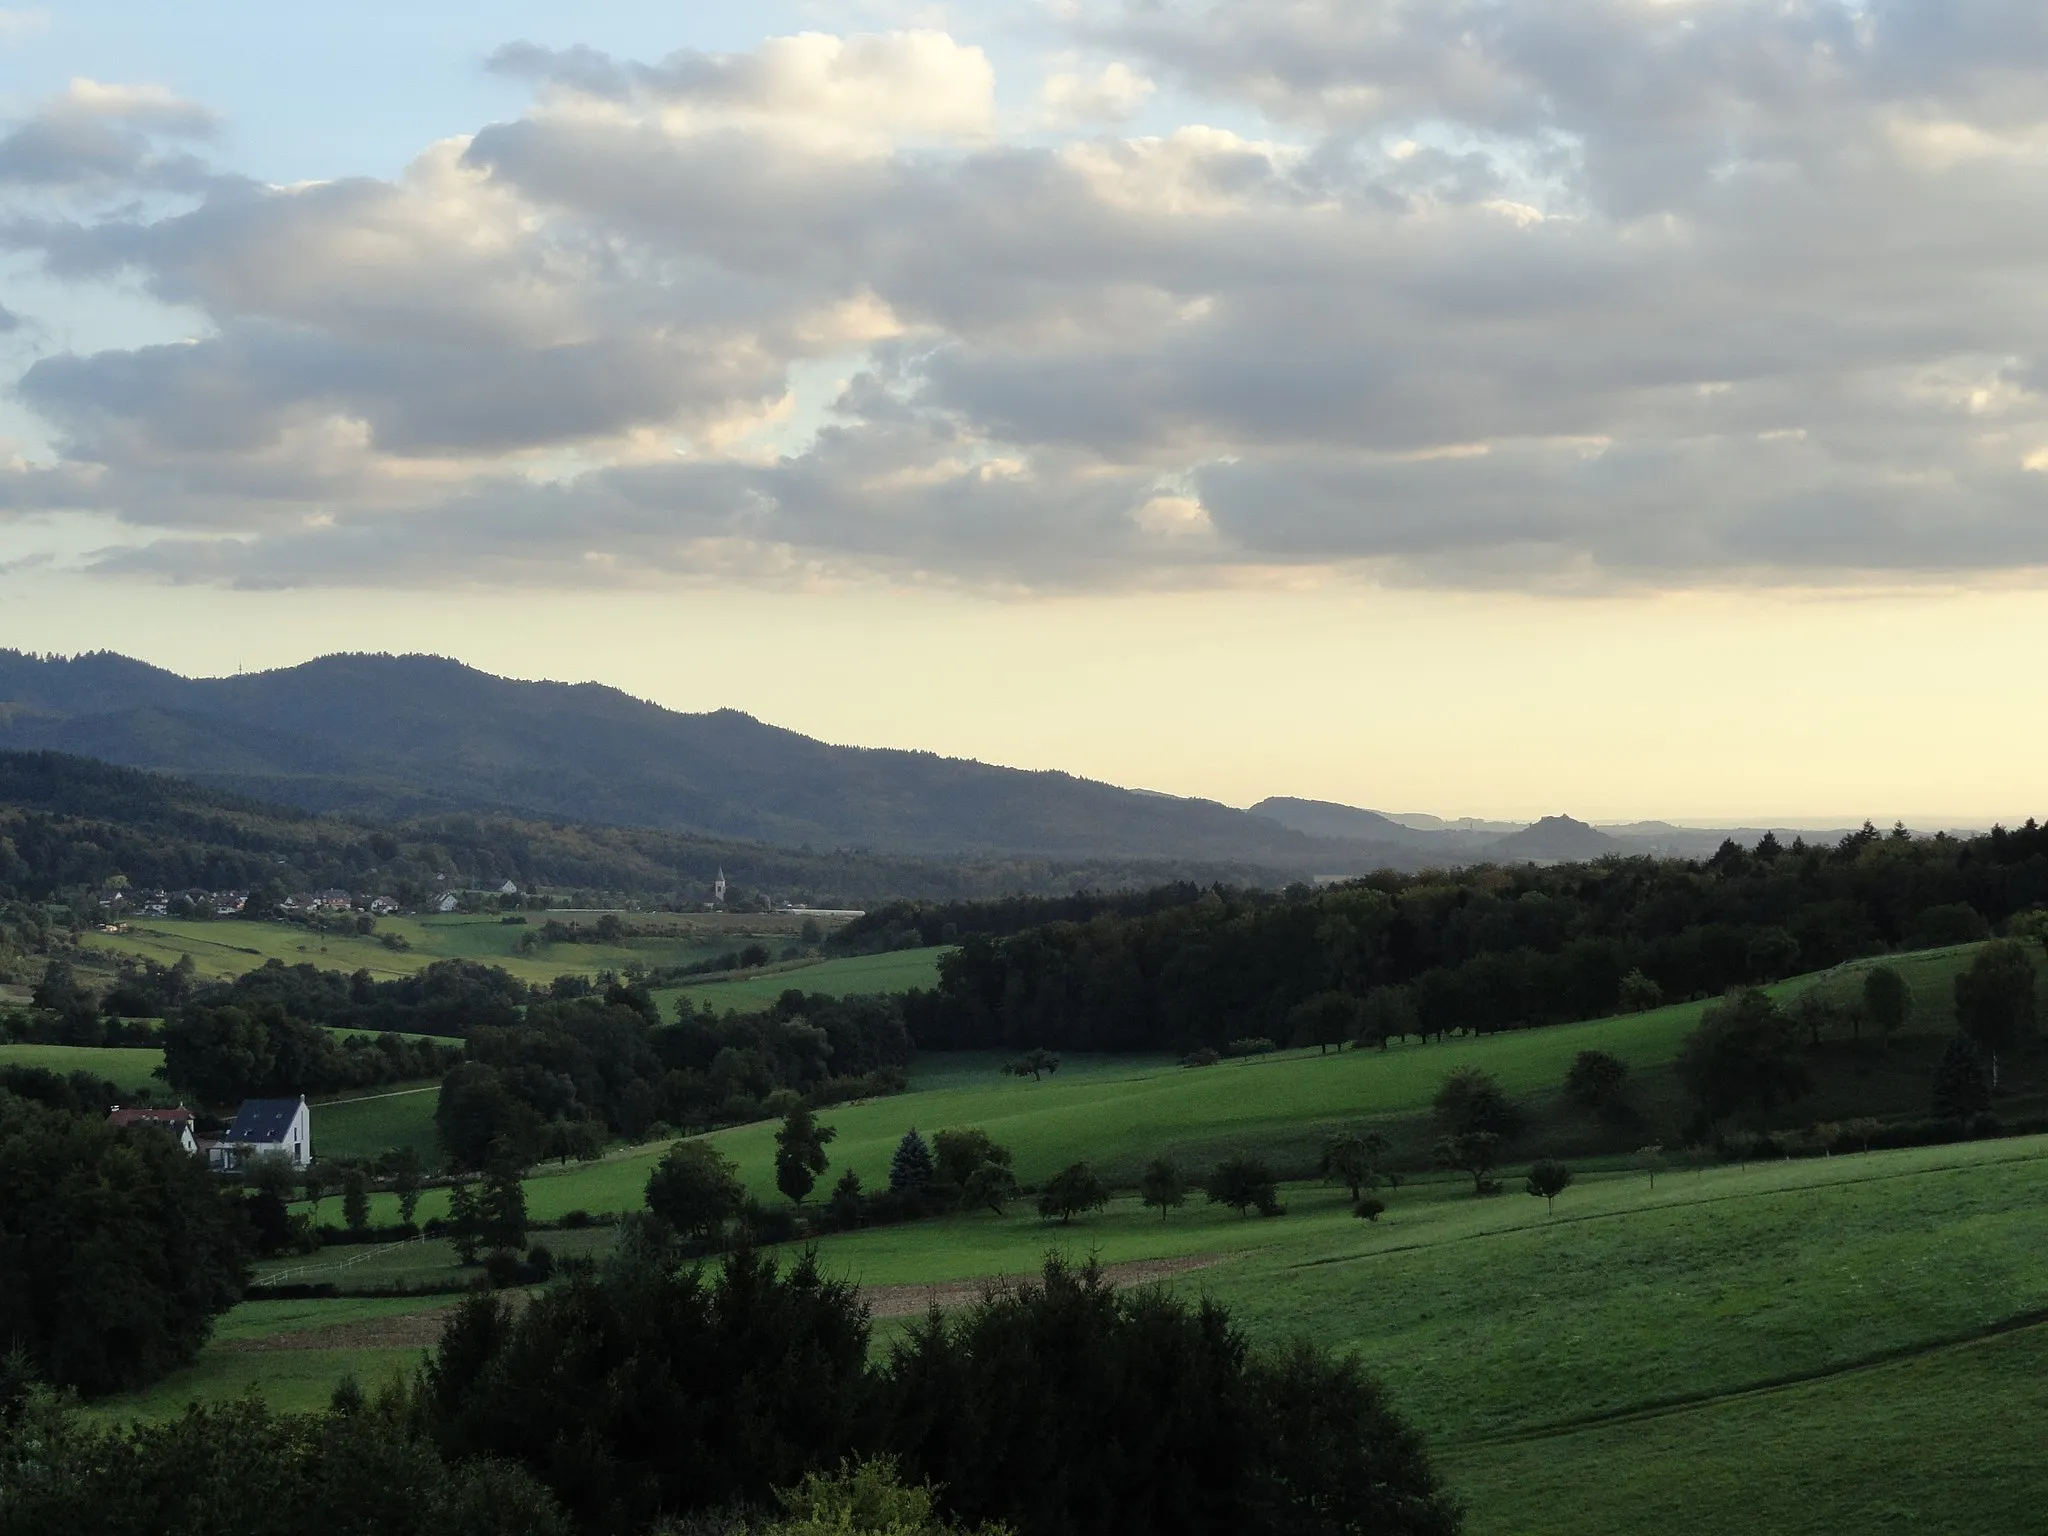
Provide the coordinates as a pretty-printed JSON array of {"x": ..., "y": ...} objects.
[
  {"x": 1118, "y": 1112},
  {"x": 228, "y": 947},
  {"x": 381, "y": 1120},
  {"x": 129, "y": 1066},
  {"x": 1790, "y": 1349},
  {"x": 896, "y": 972}
]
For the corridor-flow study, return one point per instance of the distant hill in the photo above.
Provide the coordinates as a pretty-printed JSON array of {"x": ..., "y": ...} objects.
[
  {"x": 1554, "y": 839},
  {"x": 69, "y": 824},
  {"x": 399, "y": 737},
  {"x": 1324, "y": 818}
]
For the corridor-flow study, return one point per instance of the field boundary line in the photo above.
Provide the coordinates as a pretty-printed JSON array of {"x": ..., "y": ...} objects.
[
  {"x": 371, "y": 1098},
  {"x": 1668, "y": 1407}
]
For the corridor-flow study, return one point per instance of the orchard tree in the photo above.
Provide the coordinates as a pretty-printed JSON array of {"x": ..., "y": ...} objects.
[
  {"x": 1639, "y": 994},
  {"x": 1744, "y": 1056},
  {"x": 1388, "y": 1013},
  {"x": 1470, "y": 1100},
  {"x": 1548, "y": 1178},
  {"x": 1033, "y": 1064},
  {"x": 1995, "y": 1000},
  {"x": 1324, "y": 1020},
  {"x": 1473, "y": 1152},
  {"x": 696, "y": 1189},
  {"x": 990, "y": 1187},
  {"x": 1353, "y": 1160},
  {"x": 957, "y": 1153},
  {"x": 1887, "y": 1000},
  {"x": 1961, "y": 1089},
  {"x": 1071, "y": 1192},
  {"x": 1162, "y": 1185},
  {"x": 800, "y": 1152},
  {"x": 1649, "y": 1160},
  {"x": 1244, "y": 1183},
  {"x": 1595, "y": 1080}
]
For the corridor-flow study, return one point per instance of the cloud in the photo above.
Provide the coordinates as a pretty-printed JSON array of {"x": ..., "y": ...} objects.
[
  {"x": 1487, "y": 294},
  {"x": 1110, "y": 95},
  {"x": 18, "y": 25}
]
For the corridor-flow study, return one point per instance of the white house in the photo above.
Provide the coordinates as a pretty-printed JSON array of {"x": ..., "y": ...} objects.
[
  {"x": 177, "y": 1121},
  {"x": 447, "y": 903},
  {"x": 508, "y": 889},
  {"x": 266, "y": 1125}
]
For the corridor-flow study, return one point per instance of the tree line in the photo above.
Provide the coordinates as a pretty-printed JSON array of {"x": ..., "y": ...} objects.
[{"x": 1479, "y": 949}]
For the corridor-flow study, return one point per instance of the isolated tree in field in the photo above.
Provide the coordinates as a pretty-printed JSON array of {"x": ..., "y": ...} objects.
[
  {"x": 957, "y": 1153},
  {"x": 911, "y": 1168},
  {"x": 1470, "y": 1100},
  {"x": 1744, "y": 1056},
  {"x": 465, "y": 1221},
  {"x": 1324, "y": 1020},
  {"x": 1639, "y": 994},
  {"x": 990, "y": 1187},
  {"x": 1033, "y": 1064},
  {"x": 1961, "y": 1088},
  {"x": 1995, "y": 1000},
  {"x": 1244, "y": 1183},
  {"x": 695, "y": 1188},
  {"x": 1388, "y": 1013},
  {"x": 845, "y": 1202},
  {"x": 406, "y": 1181},
  {"x": 1162, "y": 1185},
  {"x": 800, "y": 1152},
  {"x": 355, "y": 1200},
  {"x": 1473, "y": 1152},
  {"x": 1353, "y": 1160},
  {"x": 1548, "y": 1178},
  {"x": 1595, "y": 1079},
  {"x": 1649, "y": 1160},
  {"x": 1887, "y": 1000},
  {"x": 1071, "y": 1192},
  {"x": 501, "y": 1207}
]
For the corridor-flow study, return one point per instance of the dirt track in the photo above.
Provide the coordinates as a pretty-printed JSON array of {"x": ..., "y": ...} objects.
[
  {"x": 422, "y": 1329},
  {"x": 915, "y": 1300}
]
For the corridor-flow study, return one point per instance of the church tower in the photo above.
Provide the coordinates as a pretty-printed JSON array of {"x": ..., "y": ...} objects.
[{"x": 718, "y": 886}]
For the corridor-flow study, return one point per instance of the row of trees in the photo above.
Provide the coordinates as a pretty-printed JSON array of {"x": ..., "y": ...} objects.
[
  {"x": 572, "y": 1074},
  {"x": 1479, "y": 949}
]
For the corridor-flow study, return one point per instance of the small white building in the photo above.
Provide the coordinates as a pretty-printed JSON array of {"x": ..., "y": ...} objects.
[
  {"x": 264, "y": 1126},
  {"x": 176, "y": 1121},
  {"x": 447, "y": 903},
  {"x": 508, "y": 889}
]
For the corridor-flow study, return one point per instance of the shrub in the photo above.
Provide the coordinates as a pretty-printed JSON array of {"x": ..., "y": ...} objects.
[
  {"x": 1369, "y": 1207},
  {"x": 1251, "y": 1045},
  {"x": 1243, "y": 1183},
  {"x": 1203, "y": 1056}
]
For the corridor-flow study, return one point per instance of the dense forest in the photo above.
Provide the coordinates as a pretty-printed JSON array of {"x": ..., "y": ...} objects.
[
  {"x": 1488, "y": 948},
  {"x": 70, "y": 826}
]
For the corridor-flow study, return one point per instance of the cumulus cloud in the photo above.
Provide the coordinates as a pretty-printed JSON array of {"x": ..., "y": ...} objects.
[{"x": 1650, "y": 291}]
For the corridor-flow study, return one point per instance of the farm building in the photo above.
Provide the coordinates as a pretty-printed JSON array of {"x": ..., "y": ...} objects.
[
  {"x": 264, "y": 1126},
  {"x": 177, "y": 1121}
]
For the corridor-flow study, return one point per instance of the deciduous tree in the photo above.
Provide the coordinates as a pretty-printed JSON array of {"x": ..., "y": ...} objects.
[
  {"x": 1071, "y": 1192},
  {"x": 696, "y": 1189},
  {"x": 1548, "y": 1178},
  {"x": 1161, "y": 1185},
  {"x": 1995, "y": 1000},
  {"x": 800, "y": 1153},
  {"x": 1244, "y": 1183}
]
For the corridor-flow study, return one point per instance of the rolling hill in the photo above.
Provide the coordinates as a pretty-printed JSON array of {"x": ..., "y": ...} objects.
[{"x": 409, "y": 736}]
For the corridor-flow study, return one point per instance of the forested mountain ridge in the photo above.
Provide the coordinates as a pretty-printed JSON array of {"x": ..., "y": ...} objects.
[
  {"x": 71, "y": 824},
  {"x": 407, "y": 736}
]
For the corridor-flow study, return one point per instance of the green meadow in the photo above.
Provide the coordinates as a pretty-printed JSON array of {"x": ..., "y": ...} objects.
[
  {"x": 227, "y": 947},
  {"x": 856, "y": 974},
  {"x": 1848, "y": 1343},
  {"x": 380, "y": 1120},
  {"x": 129, "y": 1066}
]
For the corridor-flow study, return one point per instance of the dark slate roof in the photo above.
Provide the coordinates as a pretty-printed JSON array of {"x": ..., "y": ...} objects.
[{"x": 262, "y": 1120}]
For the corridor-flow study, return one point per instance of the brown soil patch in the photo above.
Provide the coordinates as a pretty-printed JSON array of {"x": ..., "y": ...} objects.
[
  {"x": 401, "y": 1330},
  {"x": 916, "y": 1300}
]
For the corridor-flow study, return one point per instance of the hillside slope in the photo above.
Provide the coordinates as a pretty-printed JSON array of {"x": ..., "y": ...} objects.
[{"x": 410, "y": 735}]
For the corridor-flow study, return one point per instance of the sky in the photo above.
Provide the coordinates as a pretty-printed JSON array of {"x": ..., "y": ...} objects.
[{"x": 1628, "y": 408}]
